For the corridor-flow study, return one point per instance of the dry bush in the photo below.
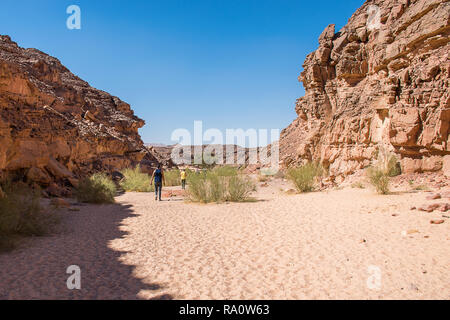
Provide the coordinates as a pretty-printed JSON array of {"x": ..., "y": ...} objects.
[
  {"x": 21, "y": 214},
  {"x": 388, "y": 163},
  {"x": 379, "y": 179},
  {"x": 218, "y": 185},
  {"x": 387, "y": 166},
  {"x": 136, "y": 181},
  {"x": 98, "y": 188},
  {"x": 358, "y": 185},
  {"x": 239, "y": 188},
  {"x": 304, "y": 177},
  {"x": 172, "y": 178}
]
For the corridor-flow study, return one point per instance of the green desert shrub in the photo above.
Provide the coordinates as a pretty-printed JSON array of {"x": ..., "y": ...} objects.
[
  {"x": 239, "y": 188},
  {"x": 387, "y": 166},
  {"x": 393, "y": 166},
  {"x": 304, "y": 177},
  {"x": 98, "y": 188},
  {"x": 198, "y": 190},
  {"x": 206, "y": 187},
  {"x": 21, "y": 214},
  {"x": 226, "y": 171},
  {"x": 136, "y": 181},
  {"x": 379, "y": 179},
  {"x": 388, "y": 163},
  {"x": 218, "y": 185},
  {"x": 172, "y": 178}
]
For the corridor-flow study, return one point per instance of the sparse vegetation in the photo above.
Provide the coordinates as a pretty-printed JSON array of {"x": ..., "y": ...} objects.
[
  {"x": 420, "y": 187},
  {"x": 136, "y": 181},
  {"x": 379, "y": 179},
  {"x": 387, "y": 166},
  {"x": 172, "y": 178},
  {"x": 358, "y": 185},
  {"x": 388, "y": 163},
  {"x": 218, "y": 185},
  {"x": 305, "y": 177},
  {"x": 227, "y": 171},
  {"x": 98, "y": 188},
  {"x": 21, "y": 214},
  {"x": 239, "y": 188},
  {"x": 205, "y": 187}
]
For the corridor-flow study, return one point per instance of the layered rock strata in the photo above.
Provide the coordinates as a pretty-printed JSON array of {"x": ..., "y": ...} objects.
[
  {"x": 54, "y": 127},
  {"x": 381, "y": 81}
]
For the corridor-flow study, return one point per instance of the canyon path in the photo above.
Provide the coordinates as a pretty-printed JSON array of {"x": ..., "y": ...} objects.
[{"x": 341, "y": 244}]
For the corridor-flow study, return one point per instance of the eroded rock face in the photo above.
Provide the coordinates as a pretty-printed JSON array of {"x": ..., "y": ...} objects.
[
  {"x": 54, "y": 126},
  {"x": 366, "y": 88}
]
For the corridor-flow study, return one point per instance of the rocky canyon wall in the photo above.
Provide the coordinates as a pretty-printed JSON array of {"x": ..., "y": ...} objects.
[
  {"x": 370, "y": 87},
  {"x": 54, "y": 127}
]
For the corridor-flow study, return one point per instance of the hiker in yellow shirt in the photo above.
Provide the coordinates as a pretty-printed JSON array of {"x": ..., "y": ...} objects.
[{"x": 183, "y": 179}]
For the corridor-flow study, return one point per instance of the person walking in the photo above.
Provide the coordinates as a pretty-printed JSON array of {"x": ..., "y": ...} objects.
[
  {"x": 158, "y": 178},
  {"x": 183, "y": 179}
]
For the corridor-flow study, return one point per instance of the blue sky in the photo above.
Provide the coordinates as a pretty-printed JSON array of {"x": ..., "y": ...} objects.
[{"x": 232, "y": 64}]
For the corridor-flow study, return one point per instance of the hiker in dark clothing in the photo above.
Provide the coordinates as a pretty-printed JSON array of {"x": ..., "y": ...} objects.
[{"x": 158, "y": 177}]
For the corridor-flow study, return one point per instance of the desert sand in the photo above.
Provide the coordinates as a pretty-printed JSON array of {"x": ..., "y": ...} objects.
[{"x": 323, "y": 245}]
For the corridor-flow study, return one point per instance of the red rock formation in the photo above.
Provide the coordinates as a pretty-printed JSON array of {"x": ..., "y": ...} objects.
[
  {"x": 367, "y": 88},
  {"x": 54, "y": 126}
]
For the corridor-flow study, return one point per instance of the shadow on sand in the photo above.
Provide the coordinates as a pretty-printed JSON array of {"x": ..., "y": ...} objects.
[{"x": 38, "y": 270}]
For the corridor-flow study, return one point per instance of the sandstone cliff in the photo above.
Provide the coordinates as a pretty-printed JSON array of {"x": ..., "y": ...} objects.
[
  {"x": 54, "y": 127},
  {"x": 370, "y": 87}
]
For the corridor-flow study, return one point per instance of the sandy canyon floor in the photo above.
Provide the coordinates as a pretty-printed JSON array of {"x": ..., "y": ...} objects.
[{"x": 342, "y": 244}]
